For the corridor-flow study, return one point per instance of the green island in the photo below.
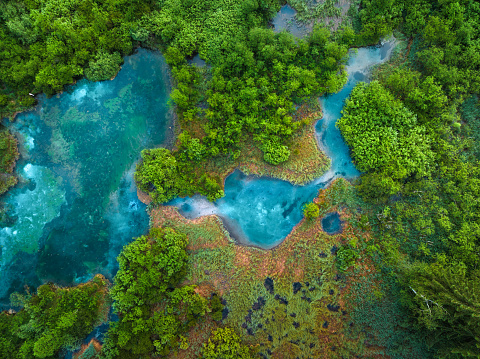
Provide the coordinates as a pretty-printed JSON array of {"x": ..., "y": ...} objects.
[{"x": 398, "y": 277}]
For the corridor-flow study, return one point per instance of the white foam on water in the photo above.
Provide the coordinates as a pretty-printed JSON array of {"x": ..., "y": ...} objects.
[{"x": 34, "y": 208}]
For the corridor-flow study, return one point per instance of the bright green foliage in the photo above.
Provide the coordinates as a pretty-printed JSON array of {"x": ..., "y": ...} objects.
[
  {"x": 163, "y": 254},
  {"x": 346, "y": 257},
  {"x": 446, "y": 301},
  {"x": 164, "y": 177},
  {"x": 435, "y": 215},
  {"x": 257, "y": 75},
  {"x": 378, "y": 19},
  {"x": 210, "y": 27},
  {"x": 158, "y": 174},
  {"x": 154, "y": 310},
  {"x": 225, "y": 344},
  {"x": 103, "y": 67},
  {"x": 52, "y": 319},
  {"x": 311, "y": 210},
  {"x": 384, "y": 136},
  {"x": 251, "y": 91}
]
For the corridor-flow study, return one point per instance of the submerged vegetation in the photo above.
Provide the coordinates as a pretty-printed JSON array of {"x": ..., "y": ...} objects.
[{"x": 401, "y": 280}]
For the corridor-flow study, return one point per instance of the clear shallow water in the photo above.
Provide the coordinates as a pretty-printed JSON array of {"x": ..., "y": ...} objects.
[
  {"x": 263, "y": 211},
  {"x": 78, "y": 205},
  {"x": 285, "y": 20}
]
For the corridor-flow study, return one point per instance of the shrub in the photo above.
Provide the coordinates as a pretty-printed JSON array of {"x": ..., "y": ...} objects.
[
  {"x": 311, "y": 210},
  {"x": 103, "y": 67}
]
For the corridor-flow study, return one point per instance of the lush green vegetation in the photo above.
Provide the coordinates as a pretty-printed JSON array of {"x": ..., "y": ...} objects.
[
  {"x": 52, "y": 319},
  {"x": 257, "y": 78},
  {"x": 225, "y": 344},
  {"x": 47, "y": 44},
  {"x": 8, "y": 156},
  {"x": 155, "y": 310},
  {"x": 414, "y": 133},
  {"x": 311, "y": 210}
]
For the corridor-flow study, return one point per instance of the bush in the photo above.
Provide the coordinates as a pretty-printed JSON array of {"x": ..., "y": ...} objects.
[
  {"x": 158, "y": 175},
  {"x": 275, "y": 153},
  {"x": 103, "y": 67},
  {"x": 225, "y": 344},
  {"x": 311, "y": 210},
  {"x": 346, "y": 257}
]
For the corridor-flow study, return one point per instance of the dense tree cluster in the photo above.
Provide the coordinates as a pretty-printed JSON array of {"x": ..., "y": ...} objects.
[
  {"x": 155, "y": 310},
  {"x": 47, "y": 44},
  {"x": 425, "y": 167},
  {"x": 52, "y": 319},
  {"x": 386, "y": 139},
  {"x": 257, "y": 79}
]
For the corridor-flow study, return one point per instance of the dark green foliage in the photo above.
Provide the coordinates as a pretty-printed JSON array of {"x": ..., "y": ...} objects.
[
  {"x": 225, "y": 344},
  {"x": 52, "y": 319},
  {"x": 446, "y": 301},
  {"x": 311, "y": 210},
  {"x": 154, "y": 310},
  {"x": 217, "y": 307}
]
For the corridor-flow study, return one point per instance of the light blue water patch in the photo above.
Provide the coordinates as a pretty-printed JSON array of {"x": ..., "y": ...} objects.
[
  {"x": 34, "y": 206},
  {"x": 78, "y": 197},
  {"x": 262, "y": 211},
  {"x": 285, "y": 20}
]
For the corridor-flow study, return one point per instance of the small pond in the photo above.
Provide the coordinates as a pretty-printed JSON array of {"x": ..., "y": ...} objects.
[{"x": 331, "y": 223}]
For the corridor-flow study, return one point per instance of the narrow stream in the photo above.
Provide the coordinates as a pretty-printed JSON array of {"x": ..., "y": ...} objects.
[
  {"x": 77, "y": 205},
  {"x": 262, "y": 211}
]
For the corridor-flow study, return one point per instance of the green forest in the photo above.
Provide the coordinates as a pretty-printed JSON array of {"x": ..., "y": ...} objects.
[{"x": 413, "y": 132}]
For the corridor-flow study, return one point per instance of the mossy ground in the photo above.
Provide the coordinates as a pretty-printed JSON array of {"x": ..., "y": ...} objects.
[{"x": 286, "y": 302}]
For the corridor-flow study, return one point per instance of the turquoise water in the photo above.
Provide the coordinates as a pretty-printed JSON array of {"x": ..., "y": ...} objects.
[
  {"x": 77, "y": 205},
  {"x": 262, "y": 211}
]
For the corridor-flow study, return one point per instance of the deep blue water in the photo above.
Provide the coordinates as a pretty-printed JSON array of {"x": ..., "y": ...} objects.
[
  {"x": 263, "y": 211},
  {"x": 331, "y": 223},
  {"x": 77, "y": 205}
]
